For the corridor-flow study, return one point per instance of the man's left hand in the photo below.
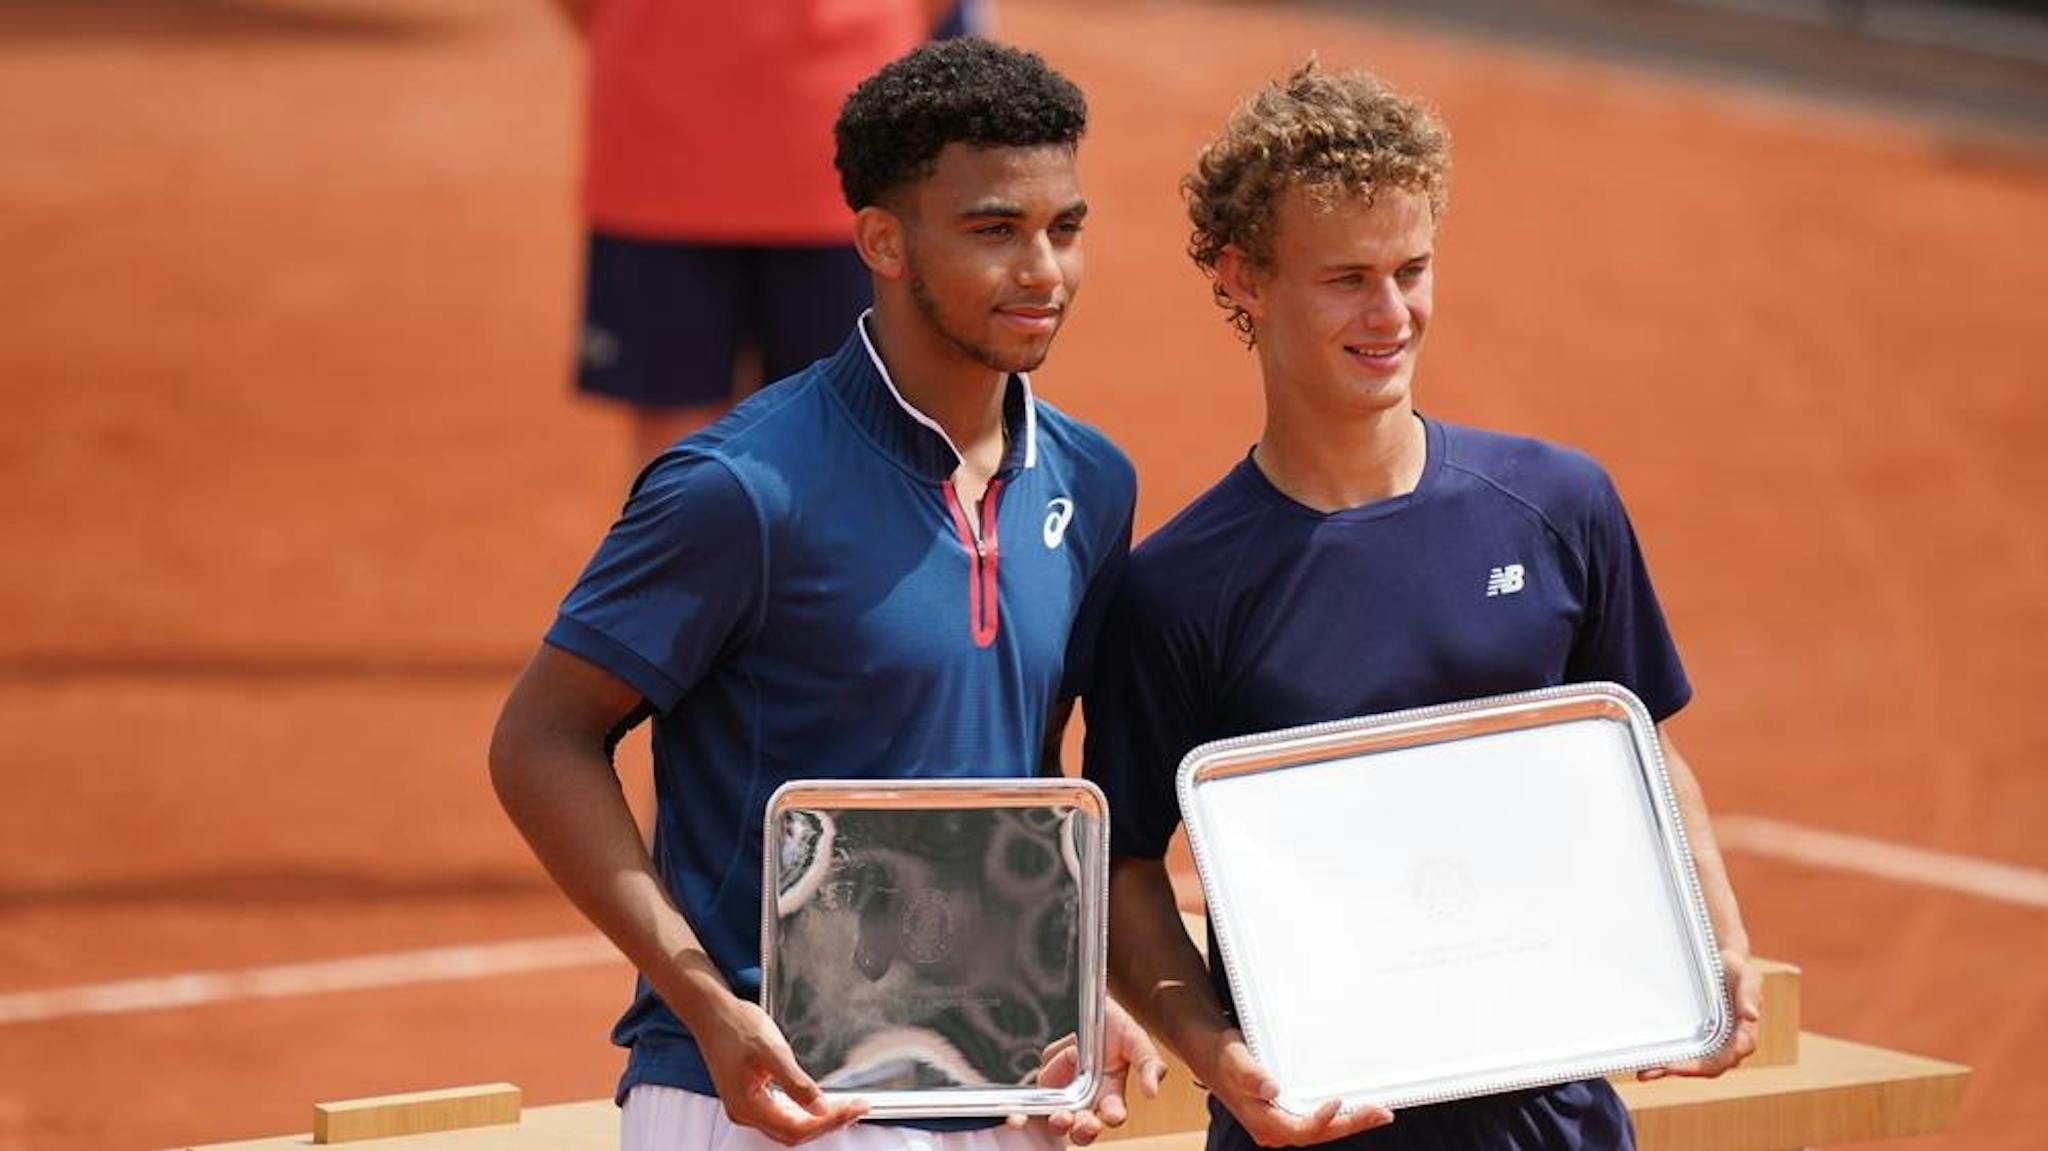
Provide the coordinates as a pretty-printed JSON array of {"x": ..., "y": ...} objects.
[{"x": 1746, "y": 992}]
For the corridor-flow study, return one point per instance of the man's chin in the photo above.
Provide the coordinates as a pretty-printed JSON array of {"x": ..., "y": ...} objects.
[
  {"x": 1007, "y": 357},
  {"x": 1011, "y": 363},
  {"x": 1025, "y": 359}
]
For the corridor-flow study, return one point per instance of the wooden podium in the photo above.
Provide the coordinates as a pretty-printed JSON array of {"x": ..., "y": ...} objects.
[{"x": 1799, "y": 1090}]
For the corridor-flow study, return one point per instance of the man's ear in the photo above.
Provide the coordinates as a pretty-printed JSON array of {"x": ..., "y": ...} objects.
[
  {"x": 878, "y": 236},
  {"x": 1242, "y": 281}
]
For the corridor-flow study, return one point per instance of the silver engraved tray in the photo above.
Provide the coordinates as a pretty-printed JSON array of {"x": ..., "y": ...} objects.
[
  {"x": 1454, "y": 901},
  {"x": 923, "y": 941}
]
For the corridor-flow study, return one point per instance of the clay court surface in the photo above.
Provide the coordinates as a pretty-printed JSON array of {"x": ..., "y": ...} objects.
[{"x": 292, "y": 482}]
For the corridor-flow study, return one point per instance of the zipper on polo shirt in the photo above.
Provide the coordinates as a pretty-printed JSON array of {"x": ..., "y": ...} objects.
[{"x": 984, "y": 553}]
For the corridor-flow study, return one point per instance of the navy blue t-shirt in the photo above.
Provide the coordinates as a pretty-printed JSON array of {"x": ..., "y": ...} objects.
[
  {"x": 1510, "y": 567},
  {"x": 799, "y": 594}
]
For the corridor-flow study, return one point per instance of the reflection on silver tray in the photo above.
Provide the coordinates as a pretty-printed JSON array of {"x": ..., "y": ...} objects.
[
  {"x": 923, "y": 941},
  {"x": 1455, "y": 901}
]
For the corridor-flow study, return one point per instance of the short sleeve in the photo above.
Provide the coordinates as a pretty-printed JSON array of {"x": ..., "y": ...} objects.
[
  {"x": 675, "y": 584},
  {"x": 1623, "y": 637},
  {"x": 1144, "y": 714}
]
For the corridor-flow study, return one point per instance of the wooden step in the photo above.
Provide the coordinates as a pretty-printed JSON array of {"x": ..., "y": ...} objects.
[
  {"x": 415, "y": 1113},
  {"x": 592, "y": 1125},
  {"x": 1838, "y": 1092}
]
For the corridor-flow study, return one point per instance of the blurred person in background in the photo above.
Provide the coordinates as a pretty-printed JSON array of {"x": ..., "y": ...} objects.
[
  {"x": 719, "y": 254},
  {"x": 1361, "y": 559}
]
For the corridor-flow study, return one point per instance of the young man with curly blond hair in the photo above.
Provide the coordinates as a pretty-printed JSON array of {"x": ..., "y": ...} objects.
[{"x": 1343, "y": 568}]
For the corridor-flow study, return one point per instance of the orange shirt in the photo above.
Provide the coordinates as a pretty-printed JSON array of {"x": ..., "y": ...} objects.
[{"x": 711, "y": 120}]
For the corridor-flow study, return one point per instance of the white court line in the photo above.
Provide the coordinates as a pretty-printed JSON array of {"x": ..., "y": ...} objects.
[
  {"x": 282, "y": 981},
  {"x": 1985, "y": 878},
  {"x": 1754, "y": 835}
]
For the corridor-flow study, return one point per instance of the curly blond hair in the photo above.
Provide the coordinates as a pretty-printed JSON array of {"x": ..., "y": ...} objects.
[{"x": 1335, "y": 134}]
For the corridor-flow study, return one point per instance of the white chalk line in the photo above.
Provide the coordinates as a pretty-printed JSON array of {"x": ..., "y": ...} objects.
[
  {"x": 289, "y": 980},
  {"x": 1878, "y": 859}
]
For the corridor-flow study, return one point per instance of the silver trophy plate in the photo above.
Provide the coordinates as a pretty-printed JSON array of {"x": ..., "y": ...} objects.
[
  {"x": 1455, "y": 901},
  {"x": 924, "y": 941}
]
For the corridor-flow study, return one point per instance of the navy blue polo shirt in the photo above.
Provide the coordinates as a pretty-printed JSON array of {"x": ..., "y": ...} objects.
[
  {"x": 799, "y": 594},
  {"x": 1510, "y": 567}
]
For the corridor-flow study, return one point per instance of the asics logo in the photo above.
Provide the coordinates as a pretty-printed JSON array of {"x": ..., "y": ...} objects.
[
  {"x": 1504, "y": 580},
  {"x": 1059, "y": 512}
]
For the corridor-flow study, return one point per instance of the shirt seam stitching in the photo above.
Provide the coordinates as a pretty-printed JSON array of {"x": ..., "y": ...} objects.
[
  {"x": 756, "y": 753},
  {"x": 1580, "y": 561}
]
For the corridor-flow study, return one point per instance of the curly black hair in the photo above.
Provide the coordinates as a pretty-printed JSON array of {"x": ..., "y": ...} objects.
[{"x": 965, "y": 91}]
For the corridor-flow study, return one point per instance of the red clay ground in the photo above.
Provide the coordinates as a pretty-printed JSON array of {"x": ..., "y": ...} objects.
[{"x": 293, "y": 482}]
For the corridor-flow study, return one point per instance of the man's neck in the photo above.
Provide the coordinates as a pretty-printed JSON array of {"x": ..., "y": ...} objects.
[
  {"x": 950, "y": 388},
  {"x": 1334, "y": 465}
]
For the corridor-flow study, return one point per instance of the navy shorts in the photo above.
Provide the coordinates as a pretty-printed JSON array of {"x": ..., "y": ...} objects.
[
  {"x": 1582, "y": 1116},
  {"x": 664, "y": 323}
]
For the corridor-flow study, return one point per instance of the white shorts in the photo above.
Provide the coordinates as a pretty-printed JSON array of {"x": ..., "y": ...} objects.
[{"x": 671, "y": 1119}]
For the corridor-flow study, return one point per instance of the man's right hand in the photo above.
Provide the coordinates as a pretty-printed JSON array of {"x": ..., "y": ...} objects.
[
  {"x": 758, "y": 1079},
  {"x": 1243, "y": 1087}
]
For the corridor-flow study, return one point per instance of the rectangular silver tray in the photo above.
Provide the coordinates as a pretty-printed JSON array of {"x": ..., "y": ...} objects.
[
  {"x": 923, "y": 941},
  {"x": 1455, "y": 901}
]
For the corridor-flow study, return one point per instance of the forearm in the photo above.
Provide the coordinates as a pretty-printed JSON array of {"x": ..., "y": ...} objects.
[
  {"x": 1154, "y": 968},
  {"x": 1706, "y": 851},
  {"x": 564, "y": 798}
]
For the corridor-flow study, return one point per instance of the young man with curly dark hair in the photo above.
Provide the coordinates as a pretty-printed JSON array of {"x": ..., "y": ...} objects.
[
  {"x": 1361, "y": 559},
  {"x": 889, "y": 565}
]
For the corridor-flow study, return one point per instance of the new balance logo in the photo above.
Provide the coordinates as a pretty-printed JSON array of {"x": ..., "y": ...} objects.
[
  {"x": 1504, "y": 580},
  {"x": 599, "y": 348},
  {"x": 1059, "y": 512}
]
